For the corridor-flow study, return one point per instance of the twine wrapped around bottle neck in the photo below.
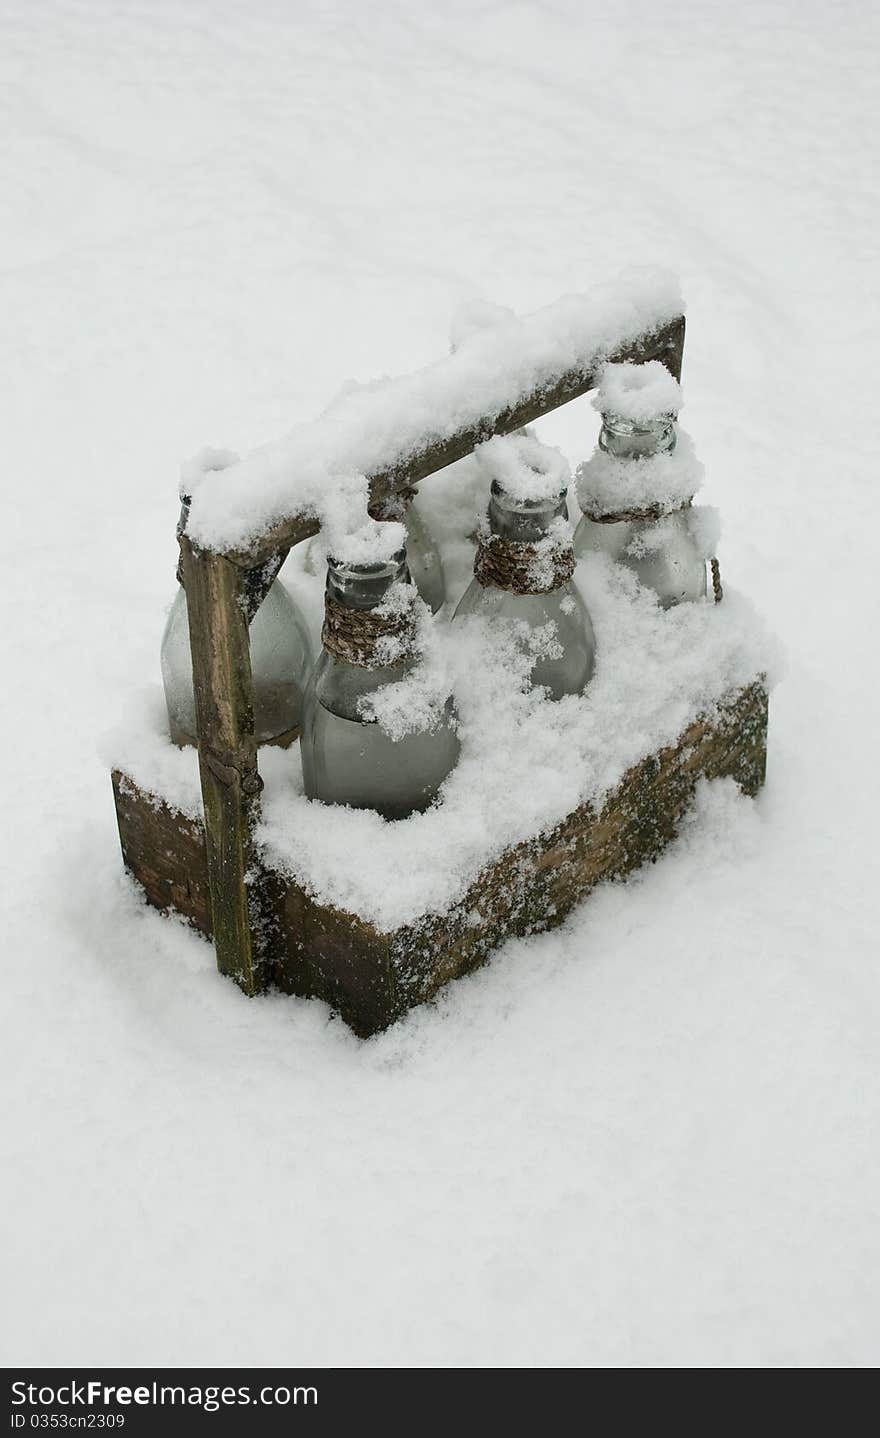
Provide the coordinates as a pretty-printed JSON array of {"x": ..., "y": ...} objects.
[
  {"x": 629, "y": 516},
  {"x": 365, "y": 637},
  {"x": 522, "y": 568}
]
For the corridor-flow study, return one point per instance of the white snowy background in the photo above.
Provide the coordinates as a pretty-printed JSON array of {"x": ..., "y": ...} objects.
[{"x": 650, "y": 1138}]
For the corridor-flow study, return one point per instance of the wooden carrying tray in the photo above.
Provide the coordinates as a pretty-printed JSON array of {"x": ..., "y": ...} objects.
[{"x": 265, "y": 928}]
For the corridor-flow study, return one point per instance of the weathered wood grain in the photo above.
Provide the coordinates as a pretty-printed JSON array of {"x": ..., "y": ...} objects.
[
  {"x": 217, "y": 604},
  {"x": 372, "y": 978},
  {"x": 165, "y": 851}
]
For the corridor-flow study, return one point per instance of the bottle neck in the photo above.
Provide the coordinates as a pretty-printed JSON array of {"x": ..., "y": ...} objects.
[
  {"x": 524, "y": 521},
  {"x": 637, "y": 439},
  {"x": 358, "y": 629},
  {"x": 364, "y": 586}
]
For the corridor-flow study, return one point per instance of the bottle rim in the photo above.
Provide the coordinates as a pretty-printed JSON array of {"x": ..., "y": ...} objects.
[
  {"x": 514, "y": 505},
  {"x": 622, "y": 424},
  {"x": 374, "y": 570},
  {"x": 365, "y": 585}
]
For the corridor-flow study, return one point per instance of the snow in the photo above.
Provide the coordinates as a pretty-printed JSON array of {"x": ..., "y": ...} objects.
[
  {"x": 704, "y": 522},
  {"x": 475, "y": 315},
  {"x": 607, "y": 484},
  {"x": 525, "y": 468},
  {"x": 637, "y": 391},
  {"x": 371, "y": 543},
  {"x": 525, "y": 762},
  {"x": 656, "y": 671},
  {"x": 646, "y": 1139},
  {"x": 372, "y": 427},
  {"x": 139, "y": 745},
  {"x": 205, "y": 461}
]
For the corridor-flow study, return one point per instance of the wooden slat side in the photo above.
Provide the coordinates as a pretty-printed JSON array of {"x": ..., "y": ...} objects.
[
  {"x": 536, "y": 885},
  {"x": 372, "y": 978},
  {"x": 335, "y": 956},
  {"x": 164, "y": 850}
]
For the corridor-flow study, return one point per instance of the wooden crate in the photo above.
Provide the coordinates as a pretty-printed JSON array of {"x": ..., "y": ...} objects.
[
  {"x": 372, "y": 978},
  {"x": 267, "y": 930}
]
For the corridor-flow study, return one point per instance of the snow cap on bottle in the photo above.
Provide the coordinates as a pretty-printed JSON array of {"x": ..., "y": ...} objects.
[
  {"x": 525, "y": 469},
  {"x": 375, "y": 543},
  {"x": 638, "y": 392}
]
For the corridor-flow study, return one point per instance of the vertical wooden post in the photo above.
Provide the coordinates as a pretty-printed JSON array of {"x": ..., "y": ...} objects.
[
  {"x": 218, "y": 628},
  {"x": 675, "y": 352}
]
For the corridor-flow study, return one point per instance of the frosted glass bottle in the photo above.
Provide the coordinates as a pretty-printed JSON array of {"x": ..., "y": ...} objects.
[
  {"x": 675, "y": 568},
  {"x": 281, "y": 658},
  {"x": 348, "y": 758},
  {"x": 527, "y": 522},
  {"x": 423, "y": 559},
  {"x": 423, "y": 556}
]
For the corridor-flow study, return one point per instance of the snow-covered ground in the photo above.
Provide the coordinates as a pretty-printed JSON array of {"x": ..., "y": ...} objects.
[{"x": 651, "y": 1137}]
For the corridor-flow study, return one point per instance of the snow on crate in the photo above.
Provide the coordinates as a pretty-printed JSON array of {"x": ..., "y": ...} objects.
[
  {"x": 318, "y": 468},
  {"x": 140, "y": 747},
  {"x": 476, "y": 315},
  {"x": 525, "y": 763}
]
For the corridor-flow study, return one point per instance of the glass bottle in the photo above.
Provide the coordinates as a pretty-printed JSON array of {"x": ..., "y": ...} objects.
[
  {"x": 423, "y": 556},
  {"x": 281, "y": 657},
  {"x": 527, "y": 522},
  {"x": 347, "y": 757},
  {"x": 666, "y": 560},
  {"x": 423, "y": 559}
]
